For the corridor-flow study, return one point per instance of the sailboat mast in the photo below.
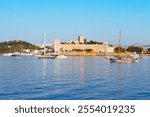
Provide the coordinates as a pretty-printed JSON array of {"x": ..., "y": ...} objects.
[
  {"x": 45, "y": 36},
  {"x": 120, "y": 33}
]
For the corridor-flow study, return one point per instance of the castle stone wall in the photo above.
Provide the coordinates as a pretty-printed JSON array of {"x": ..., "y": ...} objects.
[{"x": 94, "y": 47}]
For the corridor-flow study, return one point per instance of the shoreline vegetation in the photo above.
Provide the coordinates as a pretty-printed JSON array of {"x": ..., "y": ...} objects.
[
  {"x": 16, "y": 46},
  {"x": 25, "y": 47}
]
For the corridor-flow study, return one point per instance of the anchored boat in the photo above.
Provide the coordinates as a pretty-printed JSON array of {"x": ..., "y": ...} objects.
[
  {"x": 61, "y": 57},
  {"x": 124, "y": 59}
]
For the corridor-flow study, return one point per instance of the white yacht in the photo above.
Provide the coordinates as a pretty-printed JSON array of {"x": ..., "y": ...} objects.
[
  {"x": 7, "y": 54},
  {"x": 61, "y": 57},
  {"x": 16, "y": 54}
]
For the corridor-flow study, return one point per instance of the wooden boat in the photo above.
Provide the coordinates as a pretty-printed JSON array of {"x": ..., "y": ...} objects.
[{"x": 124, "y": 59}]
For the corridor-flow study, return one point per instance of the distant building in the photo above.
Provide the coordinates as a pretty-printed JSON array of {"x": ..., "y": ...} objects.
[
  {"x": 81, "y": 39},
  {"x": 26, "y": 50},
  {"x": 145, "y": 49},
  {"x": 81, "y": 44},
  {"x": 36, "y": 51},
  {"x": 57, "y": 45}
]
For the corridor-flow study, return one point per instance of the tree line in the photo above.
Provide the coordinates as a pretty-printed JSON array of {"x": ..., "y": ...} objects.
[
  {"x": 15, "y": 46},
  {"x": 131, "y": 49}
]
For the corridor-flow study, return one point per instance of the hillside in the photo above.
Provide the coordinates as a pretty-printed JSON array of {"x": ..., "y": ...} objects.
[{"x": 15, "y": 46}]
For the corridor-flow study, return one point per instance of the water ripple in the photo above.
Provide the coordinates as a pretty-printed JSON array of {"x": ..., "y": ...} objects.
[{"x": 75, "y": 78}]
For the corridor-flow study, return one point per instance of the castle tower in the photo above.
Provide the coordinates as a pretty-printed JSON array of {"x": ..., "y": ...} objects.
[
  {"x": 57, "y": 45},
  {"x": 81, "y": 39}
]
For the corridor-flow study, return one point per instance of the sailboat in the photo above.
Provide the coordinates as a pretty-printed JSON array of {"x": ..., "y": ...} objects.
[
  {"x": 124, "y": 59},
  {"x": 45, "y": 55}
]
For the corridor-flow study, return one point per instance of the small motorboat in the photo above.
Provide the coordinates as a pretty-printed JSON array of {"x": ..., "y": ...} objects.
[
  {"x": 61, "y": 57},
  {"x": 16, "y": 54},
  {"x": 7, "y": 54}
]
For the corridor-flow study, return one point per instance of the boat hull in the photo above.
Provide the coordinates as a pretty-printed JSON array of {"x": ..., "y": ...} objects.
[
  {"x": 123, "y": 60},
  {"x": 45, "y": 57},
  {"x": 61, "y": 57}
]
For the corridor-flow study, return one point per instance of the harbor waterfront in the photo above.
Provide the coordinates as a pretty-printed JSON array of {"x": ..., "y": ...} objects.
[{"x": 74, "y": 78}]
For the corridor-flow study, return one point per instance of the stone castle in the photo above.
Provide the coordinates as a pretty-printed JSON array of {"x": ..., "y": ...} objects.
[{"x": 81, "y": 47}]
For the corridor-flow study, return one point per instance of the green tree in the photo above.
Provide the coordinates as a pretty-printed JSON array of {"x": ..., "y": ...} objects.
[
  {"x": 73, "y": 42},
  {"x": 15, "y": 46},
  {"x": 148, "y": 49},
  {"x": 119, "y": 49},
  {"x": 134, "y": 49},
  {"x": 93, "y": 42}
]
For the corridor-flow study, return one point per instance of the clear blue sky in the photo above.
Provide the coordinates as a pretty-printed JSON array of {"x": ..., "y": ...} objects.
[{"x": 98, "y": 20}]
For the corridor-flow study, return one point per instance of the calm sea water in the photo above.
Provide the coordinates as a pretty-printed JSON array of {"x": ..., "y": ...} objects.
[{"x": 92, "y": 78}]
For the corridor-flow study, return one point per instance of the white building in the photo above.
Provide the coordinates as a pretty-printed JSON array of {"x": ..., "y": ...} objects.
[
  {"x": 57, "y": 45},
  {"x": 81, "y": 39}
]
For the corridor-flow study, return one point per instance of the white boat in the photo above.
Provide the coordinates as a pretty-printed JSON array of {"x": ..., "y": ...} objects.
[
  {"x": 7, "y": 54},
  {"x": 46, "y": 56},
  {"x": 28, "y": 54},
  {"x": 61, "y": 57},
  {"x": 124, "y": 59},
  {"x": 135, "y": 55},
  {"x": 16, "y": 54}
]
